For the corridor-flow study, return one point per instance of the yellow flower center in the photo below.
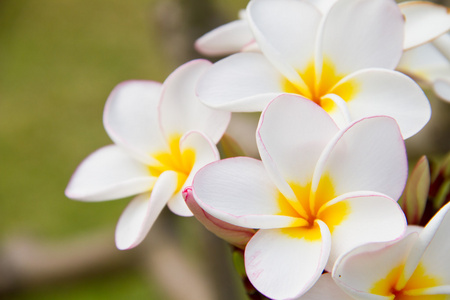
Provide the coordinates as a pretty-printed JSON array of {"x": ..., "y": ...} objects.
[
  {"x": 174, "y": 160},
  {"x": 411, "y": 291},
  {"x": 307, "y": 208},
  {"x": 317, "y": 88}
]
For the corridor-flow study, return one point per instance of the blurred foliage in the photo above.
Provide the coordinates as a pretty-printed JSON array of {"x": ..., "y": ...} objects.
[{"x": 59, "y": 60}]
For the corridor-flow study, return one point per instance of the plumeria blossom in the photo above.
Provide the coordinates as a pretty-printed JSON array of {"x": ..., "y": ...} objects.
[
  {"x": 429, "y": 64},
  {"x": 162, "y": 136},
  {"x": 318, "y": 192},
  {"x": 424, "y": 21},
  {"x": 329, "y": 60},
  {"x": 413, "y": 267}
]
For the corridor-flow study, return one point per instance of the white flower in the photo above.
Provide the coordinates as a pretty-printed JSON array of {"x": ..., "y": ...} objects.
[
  {"x": 162, "y": 135},
  {"x": 343, "y": 61},
  {"x": 413, "y": 267},
  {"x": 317, "y": 193},
  {"x": 425, "y": 21}
]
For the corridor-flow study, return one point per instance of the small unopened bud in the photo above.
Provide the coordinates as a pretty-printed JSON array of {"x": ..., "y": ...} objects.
[
  {"x": 235, "y": 235},
  {"x": 415, "y": 195}
]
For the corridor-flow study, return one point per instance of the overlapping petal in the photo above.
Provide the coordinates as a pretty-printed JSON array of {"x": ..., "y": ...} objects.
[
  {"x": 181, "y": 111},
  {"x": 243, "y": 82},
  {"x": 358, "y": 218},
  {"x": 205, "y": 152},
  {"x": 374, "y": 92},
  {"x": 226, "y": 39},
  {"x": 325, "y": 288},
  {"x": 285, "y": 264},
  {"x": 369, "y": 155},
  {"x": 239, "y": 191},
  {"x": 109, "y": 173},
  {"x": 131, "y": 120},
  {"x": 359, "y": 271},
  {"x": 359, "y": 34},
  {"x": 425, "y": 21},
  {"x": 290, "y": 42},
  {"x": 302, "y": 133},
  {"x": 431, "y": 249},
  {"x": 140, "y": 214}
]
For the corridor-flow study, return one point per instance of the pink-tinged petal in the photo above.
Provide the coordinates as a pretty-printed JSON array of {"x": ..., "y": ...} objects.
[
  {"x": 109, "y": 173},
  {"x": 359, "y": 218},
  {"x": 239, "y": 191},
  {"x": 325, "y": 288},
  {"x": 285, "y": 263},
  {"x": 140, "y": 214},
  {"x": 235, "y": 235},
  {"x": 371, "y": 270},
  {"x": 425, "y": 21},
  {"x": 205, "y": 152},
  {"x": 369, "y": 155},
  {"x": 373, "y": 92},
  {"x": 226, "y": 39},
  {"x": 292, "y": 133},
  {"x": 243, "y": 82},
  {"x": 431, "y": 250},
  {"x": 181, "y": 111},
  {"x": 130, "y": 118},
  {"x": 285, "y": 31},
  {"x": 442, "y": 88},
  {"x": 348, "y": 48}
]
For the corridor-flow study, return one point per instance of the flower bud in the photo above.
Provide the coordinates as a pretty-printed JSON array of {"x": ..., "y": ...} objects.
[
  {"x": 235, "y": 235},
  {"x": 415, "y": 195}
]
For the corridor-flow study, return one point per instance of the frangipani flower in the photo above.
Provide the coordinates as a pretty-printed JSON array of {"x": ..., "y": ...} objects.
[
  {"x": 162, "y": 136},
  {"x": 318, "y": 192},
  {"x": 342, "y": 61},
  {"x": 424, "y": 21},
  {"x": 415, "y": 267}
]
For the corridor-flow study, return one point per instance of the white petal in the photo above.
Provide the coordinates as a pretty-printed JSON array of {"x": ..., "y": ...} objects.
[
  {"x": 285, "y": 31},
  {"x": 373, "y": 92},
  {"x": 282, "y": 266},
  {"x": 359, "y": 34},
  {"x": 432, "y": 248},
  {"x": 355, "y": 220},
  {"x": 140, "y": 214},
  {"x": 205, "y": 153},
  {"x": 239, "y": 191},
  {"x": 243, "y": 82},
  {"x": 442, "y": 88},
  {"x": 358, "y": 271},
  {"x": 109, "y": 173},
  {"x": 370, "y": 155},
  {"x": 181, "y": 111},
  {"x": 242, "y": 129},
  {"x": 325, "y": 288},
  {"x": 292, "y": 133},
  {"x": 418, "y": 61},
  {"x": 425, "y": 21},
  {"x": 130, "y": 117},
  {"x": 226, "y": 39}
]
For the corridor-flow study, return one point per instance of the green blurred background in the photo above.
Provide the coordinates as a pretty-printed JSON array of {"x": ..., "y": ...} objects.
[{"x": 59, "y": 60}]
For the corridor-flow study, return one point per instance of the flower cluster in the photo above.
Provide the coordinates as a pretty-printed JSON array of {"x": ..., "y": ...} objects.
[{"x": 316, "y": 213}]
